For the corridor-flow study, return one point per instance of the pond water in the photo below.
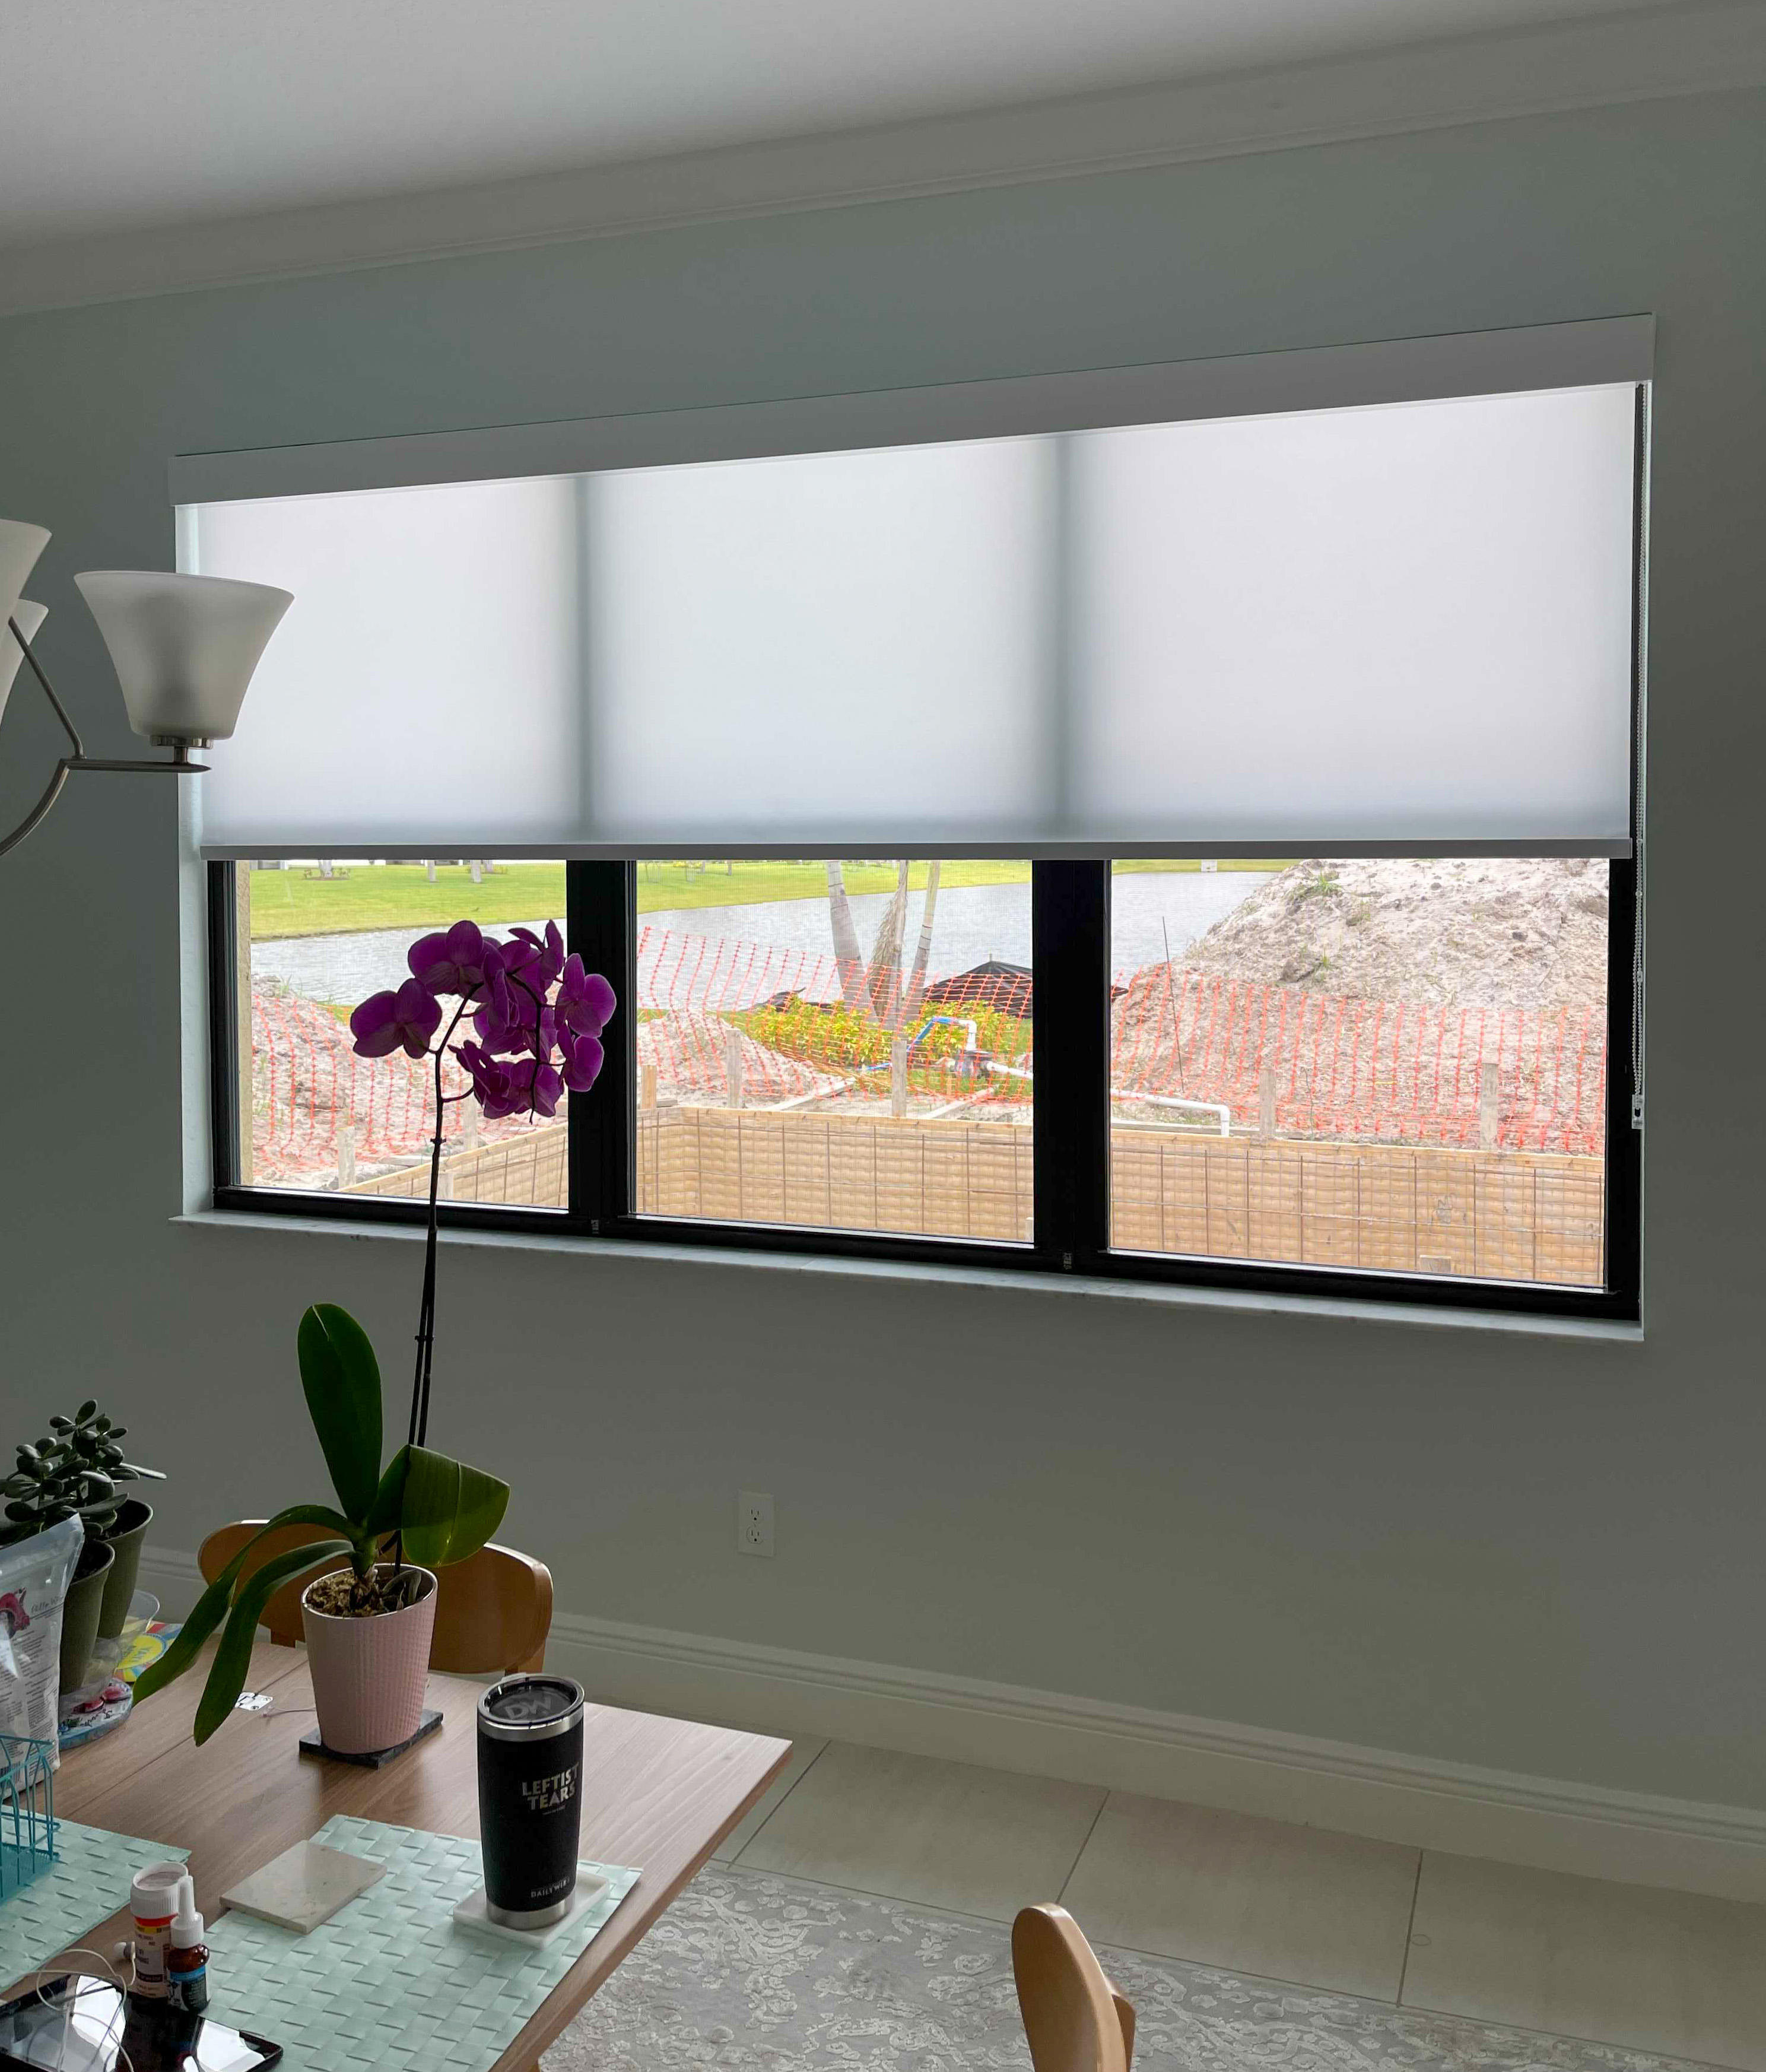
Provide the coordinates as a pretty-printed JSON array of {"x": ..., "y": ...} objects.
[{"x": 973, "y": 923}]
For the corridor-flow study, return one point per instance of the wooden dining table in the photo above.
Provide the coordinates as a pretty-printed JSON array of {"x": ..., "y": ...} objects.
[{"x": 658, "y": 1794}]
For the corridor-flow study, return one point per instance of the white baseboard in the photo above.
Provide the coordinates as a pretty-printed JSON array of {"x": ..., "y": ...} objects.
[
  {"x": 1552, "y": 1824},
  {"x": 172, "y": 1577}
]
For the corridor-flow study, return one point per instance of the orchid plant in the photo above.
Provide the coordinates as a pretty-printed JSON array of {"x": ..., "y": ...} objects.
[{"x": 536, "y": 1021}]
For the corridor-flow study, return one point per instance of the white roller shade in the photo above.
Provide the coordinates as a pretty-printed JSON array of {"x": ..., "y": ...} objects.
[
  {"x": 1400, "y": 625},
  {"x": 427, "y": 679},
  {"x": 847, "y": 645},
  {"x": 1349, "y": 626}
]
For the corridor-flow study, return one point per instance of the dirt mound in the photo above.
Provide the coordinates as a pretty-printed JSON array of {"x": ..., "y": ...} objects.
[
  {"x": 1490, "y": 932},
  {"x": 692, "y": 1053}
]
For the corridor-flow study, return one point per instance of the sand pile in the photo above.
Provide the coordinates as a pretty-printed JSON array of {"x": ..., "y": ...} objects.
[{"x": 1463, "y": 932}]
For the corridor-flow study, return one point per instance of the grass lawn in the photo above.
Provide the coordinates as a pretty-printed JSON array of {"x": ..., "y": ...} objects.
[{"x": 400, "y": 895}]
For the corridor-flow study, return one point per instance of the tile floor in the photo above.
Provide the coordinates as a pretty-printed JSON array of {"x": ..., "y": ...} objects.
[{"x": 1657, "y": 1971}]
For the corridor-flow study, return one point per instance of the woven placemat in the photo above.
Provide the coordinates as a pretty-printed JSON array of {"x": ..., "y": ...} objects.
[
  {"x": 390, "y": 1980},
  {"x": 86, "y": 1883}
]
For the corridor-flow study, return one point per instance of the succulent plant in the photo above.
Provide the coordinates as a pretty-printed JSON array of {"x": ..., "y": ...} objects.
[{"x": 74, "y": 1472}]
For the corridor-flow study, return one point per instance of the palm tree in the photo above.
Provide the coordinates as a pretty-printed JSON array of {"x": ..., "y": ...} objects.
[
  {"x": 883, "y": 981},
  {"x": 877, "y": 989},
  {"x": 849, "y": 958},
  {"x": 916, "y": 985}
]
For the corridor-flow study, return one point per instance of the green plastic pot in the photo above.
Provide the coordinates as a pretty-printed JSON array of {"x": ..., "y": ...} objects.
[
  {"x": 79, "y": 1610},
  {"x": 124, "y": 1540}
]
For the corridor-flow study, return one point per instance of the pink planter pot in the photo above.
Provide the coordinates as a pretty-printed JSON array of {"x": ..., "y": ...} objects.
[{"x": 369, "y": 1673}]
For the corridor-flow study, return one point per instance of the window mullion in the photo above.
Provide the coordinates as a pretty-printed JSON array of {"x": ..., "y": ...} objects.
[
  {"x": 599, "y": 901},
  {"x": 225, "y": 1024},
  {"x": 1070, "y": 926}
]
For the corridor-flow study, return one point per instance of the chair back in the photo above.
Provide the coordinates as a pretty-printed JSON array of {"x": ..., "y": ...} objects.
[
  {"x": 492, "y": 1611},
  {"x": 1074, "y": 2020}
]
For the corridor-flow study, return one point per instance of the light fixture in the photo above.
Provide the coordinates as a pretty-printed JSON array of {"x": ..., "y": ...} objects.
[{"x": 183, "y": 647}]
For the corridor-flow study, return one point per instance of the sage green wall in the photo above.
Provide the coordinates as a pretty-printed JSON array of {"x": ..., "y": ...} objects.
[{"x": 1538, "y": 1554}]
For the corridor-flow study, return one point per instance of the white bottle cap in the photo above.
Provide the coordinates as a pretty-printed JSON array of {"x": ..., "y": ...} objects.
[
  {"x": 188, "y": 1929},
  {"x": 155, "y": 1891}
]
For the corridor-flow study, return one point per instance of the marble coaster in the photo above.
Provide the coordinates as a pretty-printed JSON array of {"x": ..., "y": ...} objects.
[
  {"x": 591, "y": 1889},
  {"x": 303, "y": 1886}
]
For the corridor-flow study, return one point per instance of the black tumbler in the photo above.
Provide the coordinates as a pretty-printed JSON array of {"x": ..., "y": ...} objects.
[{"x": 530, "y": 1797}]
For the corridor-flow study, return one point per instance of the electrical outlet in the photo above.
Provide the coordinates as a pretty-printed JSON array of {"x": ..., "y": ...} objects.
[{"x": 753, "y": 1523}]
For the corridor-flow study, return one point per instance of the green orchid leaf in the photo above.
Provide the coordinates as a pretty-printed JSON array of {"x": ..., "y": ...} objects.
[
  {"x": 211, "y": 1606},
  {"x": 234, "y": 1657},
  {"x": 310, "y": 1514},
  {"x": 342, "y": 1380},
  {"x": 389, "y": 1503},
  {"x": 450, "y": 1509},
  {"x": 187, "y": 1643}
]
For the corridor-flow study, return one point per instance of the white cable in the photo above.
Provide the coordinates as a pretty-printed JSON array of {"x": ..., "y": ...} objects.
[{"x": 39, "y": 1980}]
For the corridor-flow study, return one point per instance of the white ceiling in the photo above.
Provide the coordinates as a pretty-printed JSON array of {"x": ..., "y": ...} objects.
[{"x": 123, "y": 114}]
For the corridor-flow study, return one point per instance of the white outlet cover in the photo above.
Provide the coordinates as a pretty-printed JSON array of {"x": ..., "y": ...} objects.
[{"x": 753, "y": 1523}]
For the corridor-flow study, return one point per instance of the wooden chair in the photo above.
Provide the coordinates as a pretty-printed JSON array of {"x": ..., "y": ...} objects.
[
  {"x": 492, "y": 1613},
  {"x": 1074, "y": 2020}
]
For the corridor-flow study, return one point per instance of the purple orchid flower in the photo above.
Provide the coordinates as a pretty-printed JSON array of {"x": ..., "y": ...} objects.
[
  {"x": 583, "y": 1059},
  {"x": 497, "y": 1036},
  {"x": 537, "y": 1087},
  {"x": 537, "y": 1016},
  {"x": 586, "y": 1001},
  {"x": 457, "y": 959},
  {"x": 521, "y": 951},
  {"x": 493, "y": 1087},
  {"x": 548, "y": 954},
  {"x": 411, "y": 1016},
  {"x": 530, "y": 1024}
]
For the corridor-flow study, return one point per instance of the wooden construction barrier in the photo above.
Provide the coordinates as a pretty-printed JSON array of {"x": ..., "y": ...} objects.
[{"x": 1503, "y": 1214}]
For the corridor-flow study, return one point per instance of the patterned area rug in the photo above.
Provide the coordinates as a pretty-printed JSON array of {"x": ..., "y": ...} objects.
[{"x": 748, "y": 1972}]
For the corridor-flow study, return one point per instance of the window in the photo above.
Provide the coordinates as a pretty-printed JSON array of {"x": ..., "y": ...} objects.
[
  {"x": 314, "y": 938},
  {"x": 1396, "y": 1065},
  {"x": 845, "y": 1044},
  {"x": 1195, "y": 846}
]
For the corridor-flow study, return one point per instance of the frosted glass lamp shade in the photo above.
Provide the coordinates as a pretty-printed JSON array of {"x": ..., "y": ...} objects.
[
  {"x": 184, "y": 647},
  {"x": 20, "y": 545},
  {"x": 27, "y": 617}
]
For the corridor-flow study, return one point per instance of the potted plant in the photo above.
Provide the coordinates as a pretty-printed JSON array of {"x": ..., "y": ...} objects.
[
  {"x": 369, "y": 1624},
  {"x": 88, "y": 1440},
  {"x": 537, "y": 1018},
  {"x": 73, "y": 1473}
]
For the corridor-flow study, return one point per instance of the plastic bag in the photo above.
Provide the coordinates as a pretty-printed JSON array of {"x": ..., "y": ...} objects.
[{"x": 34, "y": 1578}]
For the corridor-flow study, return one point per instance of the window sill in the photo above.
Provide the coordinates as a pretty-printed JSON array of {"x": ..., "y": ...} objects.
[{"x": 1082, "y": 1286}]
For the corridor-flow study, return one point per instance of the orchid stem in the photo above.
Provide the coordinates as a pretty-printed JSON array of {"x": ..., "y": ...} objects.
[{"x": 418, "y": 1430}]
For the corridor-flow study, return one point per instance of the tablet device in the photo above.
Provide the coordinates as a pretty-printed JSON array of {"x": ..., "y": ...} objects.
[{"x": 80, "y": 2024}]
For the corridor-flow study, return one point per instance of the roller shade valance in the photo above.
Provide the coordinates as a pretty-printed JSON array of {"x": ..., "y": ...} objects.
[{"x": 1402, "y": 624}]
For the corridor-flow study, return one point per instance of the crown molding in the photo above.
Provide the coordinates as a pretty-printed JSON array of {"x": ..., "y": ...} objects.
[{"x": 1540, "y": 71}]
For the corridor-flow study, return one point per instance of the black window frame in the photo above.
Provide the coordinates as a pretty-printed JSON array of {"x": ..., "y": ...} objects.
[{"x": 1071, "y": 956}]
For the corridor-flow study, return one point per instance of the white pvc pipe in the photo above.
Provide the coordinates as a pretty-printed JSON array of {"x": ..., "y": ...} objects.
[{"x": 1170, "y": 1100}]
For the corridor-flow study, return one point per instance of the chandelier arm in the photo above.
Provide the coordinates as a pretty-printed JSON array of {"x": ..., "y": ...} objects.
[
  {"x": 180, "y": 766},
  {"x": 40, "y": 811},
  {"x": 48, "y": 691}
]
